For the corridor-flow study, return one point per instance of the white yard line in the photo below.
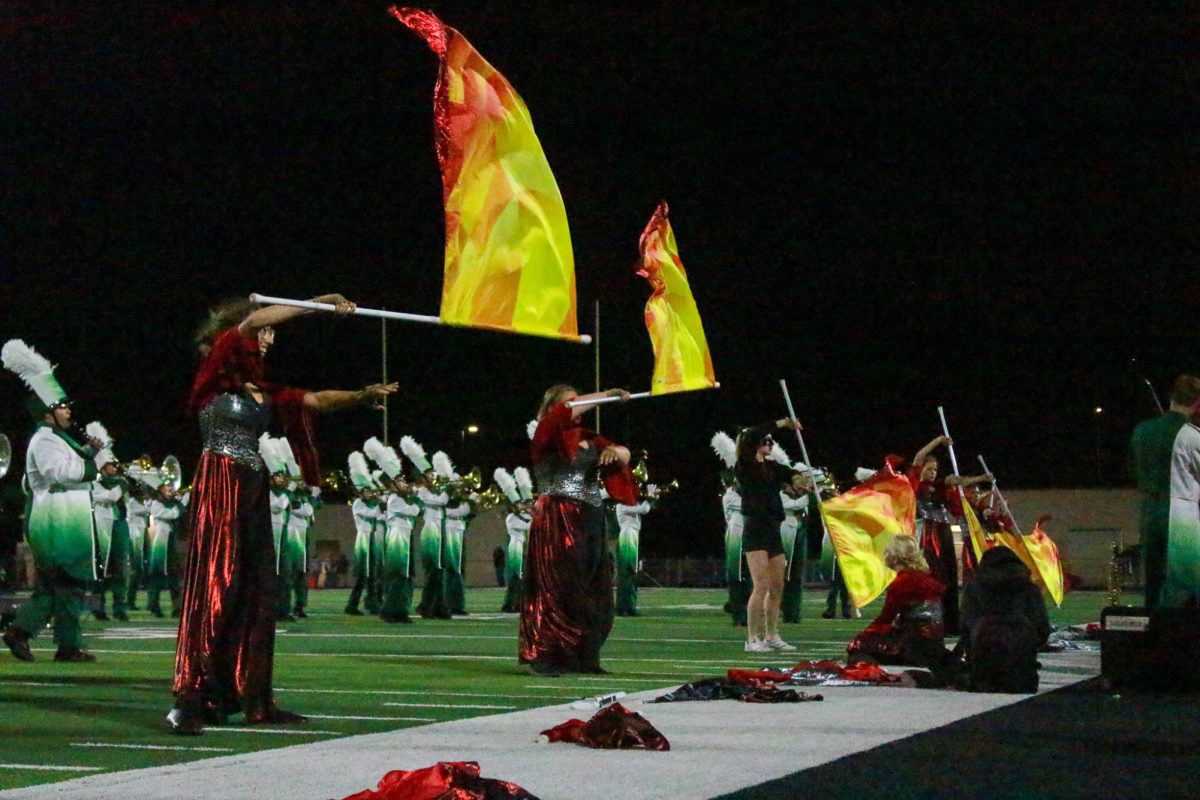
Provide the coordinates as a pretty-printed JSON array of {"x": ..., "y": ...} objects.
[
  {"x": 399, "y": 692},
  {"x": 51, "y": 768},
  {"x": 448, "y": 705},
  {"x": 278, "y": 731},
  {"x": 123, "y": 746},
  {"x": 372, "y": 719}
]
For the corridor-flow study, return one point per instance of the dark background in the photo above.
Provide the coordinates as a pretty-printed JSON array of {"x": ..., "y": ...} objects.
[{"x": 891, "y": 207}]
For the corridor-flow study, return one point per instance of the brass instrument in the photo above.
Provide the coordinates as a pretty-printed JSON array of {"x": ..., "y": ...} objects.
[
  {"x": 641, "y": 474},
  {"x": 334, "y": 481},
  {"x": 5, "y": 455},
  {"x": 463, "y": 486},
  {"x": 667, "y": 488},
  {"x": 491, "y": 498},
  {"x": 172, "y": 472}
]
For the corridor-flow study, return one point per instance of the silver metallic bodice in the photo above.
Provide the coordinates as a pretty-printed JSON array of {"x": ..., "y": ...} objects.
[
  {"x": 578, "y": 480},
  {"x": 231, "y": 425},
  {"x": 933, "y": 512}
]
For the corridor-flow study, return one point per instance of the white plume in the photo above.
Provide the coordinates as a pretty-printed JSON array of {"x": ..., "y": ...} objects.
[
  {"x": 725, "y": 449},
  {"x": 524, "y": 482},
  {"x": 415, "y": 453},
  {"x": 443, "y": 466},
  {"x": 531, "y": 428},
  {"x": 289, "y": 458},
  {"x": 269, "y": 450},
  {"x": 384, "y": 456},
  {"x": 360, "y": 473},
  {"x": 507, "y": 484},
  {"x": 97, "y": 431},
  {"x": 24, "y": 360},
  {"x": 779, "y": 455}
]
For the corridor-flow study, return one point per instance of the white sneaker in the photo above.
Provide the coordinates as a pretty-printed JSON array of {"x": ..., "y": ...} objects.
[
  {"x": 757, "y": 645},
  {"x": 776, "y": 643}
]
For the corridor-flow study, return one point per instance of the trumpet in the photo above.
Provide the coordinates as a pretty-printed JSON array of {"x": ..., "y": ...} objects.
[
  {"x": 667, "y": 488},
  {"x": 465, "y": 485},
  {"x": 491, "y": 498}
]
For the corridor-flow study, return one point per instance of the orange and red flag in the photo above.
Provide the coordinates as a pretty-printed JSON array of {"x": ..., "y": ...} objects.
[
  {"x": 509, "y": 264},
  {"x": 861, "y": 522},
  {"x": 682, "y": 362}
]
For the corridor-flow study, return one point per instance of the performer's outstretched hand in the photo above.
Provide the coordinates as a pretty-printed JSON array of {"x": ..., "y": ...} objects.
[
  {"x": 340, "y": 304},
  {"x": 373, "y": 395}
]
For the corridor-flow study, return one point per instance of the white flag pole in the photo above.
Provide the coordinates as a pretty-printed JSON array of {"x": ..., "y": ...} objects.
[
  {"x": 367, "y": 312},
  {"x": 599, "y": 401},
  {"x": 996, "y": 491}
]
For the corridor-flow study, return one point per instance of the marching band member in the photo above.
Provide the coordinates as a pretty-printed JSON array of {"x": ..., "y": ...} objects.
[
  {"x": 731, "y": 506},
  {"x": 459, "y": 512},
  {"x": 109, "y": 512},
  {"x": 162, "y": 568},
  {"x": 279, "y": 501},
  {"x": 629, "y": 525},
  {"x": 433, "y": 503},
  {"x": 402, "y": 512},
  {"x": 311, "y": 502},
  {"x": 567, "y": 610},
  {"x": 516, "y": 523},
  {"x": 137, "y": 515},
  {"x": 368, "y": 517},
  {"x": 60, "y": 529},
  {"x": 293, "y": 554},
  {"x": 795, "y": 499}
]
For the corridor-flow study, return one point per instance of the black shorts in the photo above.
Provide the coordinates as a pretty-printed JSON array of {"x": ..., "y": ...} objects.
[{"x": 760, "y": 533}]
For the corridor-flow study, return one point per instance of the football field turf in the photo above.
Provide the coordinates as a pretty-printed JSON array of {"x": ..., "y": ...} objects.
[{"x": 356, "y": 675}]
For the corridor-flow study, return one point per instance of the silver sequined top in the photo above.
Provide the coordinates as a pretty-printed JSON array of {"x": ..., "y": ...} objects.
[
  {"x": 578, "y": 480},
  {"x": 231, "y": 425}
]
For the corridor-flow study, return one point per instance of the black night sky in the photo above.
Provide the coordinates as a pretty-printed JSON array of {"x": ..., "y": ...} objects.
[{"x": 956, "y": 204}]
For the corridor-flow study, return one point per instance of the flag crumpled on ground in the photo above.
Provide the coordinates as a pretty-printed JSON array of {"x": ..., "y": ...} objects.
[
  {"x": 446, "y": 780},
  {"x": 611, "y": 728},
  {"x": 775, "y": 685}
]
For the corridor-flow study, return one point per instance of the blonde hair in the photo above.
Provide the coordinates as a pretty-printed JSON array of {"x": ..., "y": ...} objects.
[
  {"x": 553, "y": 395},
  {"x": 903, "y": 553}
]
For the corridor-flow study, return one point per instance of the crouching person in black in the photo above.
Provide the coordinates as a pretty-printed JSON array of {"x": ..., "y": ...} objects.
[{"x": 1004, "y": 623}]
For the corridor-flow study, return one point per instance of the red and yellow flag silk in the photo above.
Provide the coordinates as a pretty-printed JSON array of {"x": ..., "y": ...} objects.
[
  {"x": 975, "y": 533},
  {"x": 509, "y": 264},
  {"x": 682, "y": 362},
  {"x": 1044, "y": 554},
  {"x": 861, "y": 522}
]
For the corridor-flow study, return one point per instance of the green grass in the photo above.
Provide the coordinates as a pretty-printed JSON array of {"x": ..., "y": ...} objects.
[{"x": 331, "y": 665}]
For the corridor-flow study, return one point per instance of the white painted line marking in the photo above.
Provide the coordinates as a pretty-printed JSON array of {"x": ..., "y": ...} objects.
[
  {"x": 120, "y": 746},
  {"x": 280, "y": 731},
  {"x": 51, "y": 768},
  {"x": 422, "y": 693},
  {"x": 373, "y": 719},
  {"x": 447, "y": 705}
]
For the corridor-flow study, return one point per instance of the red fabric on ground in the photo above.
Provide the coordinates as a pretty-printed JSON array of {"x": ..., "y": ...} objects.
[
  {"x": 446, "y": 780},
  {"x": 611, "y": 728}
]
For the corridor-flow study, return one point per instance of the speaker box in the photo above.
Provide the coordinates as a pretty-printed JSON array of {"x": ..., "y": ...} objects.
[{"x": 1150, "y": 649}]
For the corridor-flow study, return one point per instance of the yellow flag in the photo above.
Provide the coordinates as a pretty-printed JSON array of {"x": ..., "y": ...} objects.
[
  {"x": 861, "y": 522},
  {"x": 1044, "y": 554},
  {"x": 509, "y": 264},
  {"x": 682, "y": 362}
]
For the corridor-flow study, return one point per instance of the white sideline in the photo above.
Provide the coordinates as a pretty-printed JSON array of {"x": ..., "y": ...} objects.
[{"x": 716, "y": 747}]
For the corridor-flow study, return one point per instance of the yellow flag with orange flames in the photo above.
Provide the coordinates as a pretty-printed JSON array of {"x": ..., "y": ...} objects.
[
  {"x": 682, "y": 362},
  {"x": 509, "y": 264}
]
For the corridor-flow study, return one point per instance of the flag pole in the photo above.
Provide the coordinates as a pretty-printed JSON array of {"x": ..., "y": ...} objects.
[
  {"x": 998, "y": 493},
  {"x": 383, "y": 371},
  {"x": 596, "y": 332},
  {"x": 599, "y": 401},
  {"x": 816, "y": 493},
  {"x": 375, "y": 312},
  {"x": 962, "y": 496}
]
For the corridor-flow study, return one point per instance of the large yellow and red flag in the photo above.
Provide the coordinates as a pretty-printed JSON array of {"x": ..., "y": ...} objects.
[
  {"x": 1044, "y": 554},
  {"x": 509, "y": 264},
  {"x": 682, "y": 362},
  {"x": 861, "y": 522}
]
